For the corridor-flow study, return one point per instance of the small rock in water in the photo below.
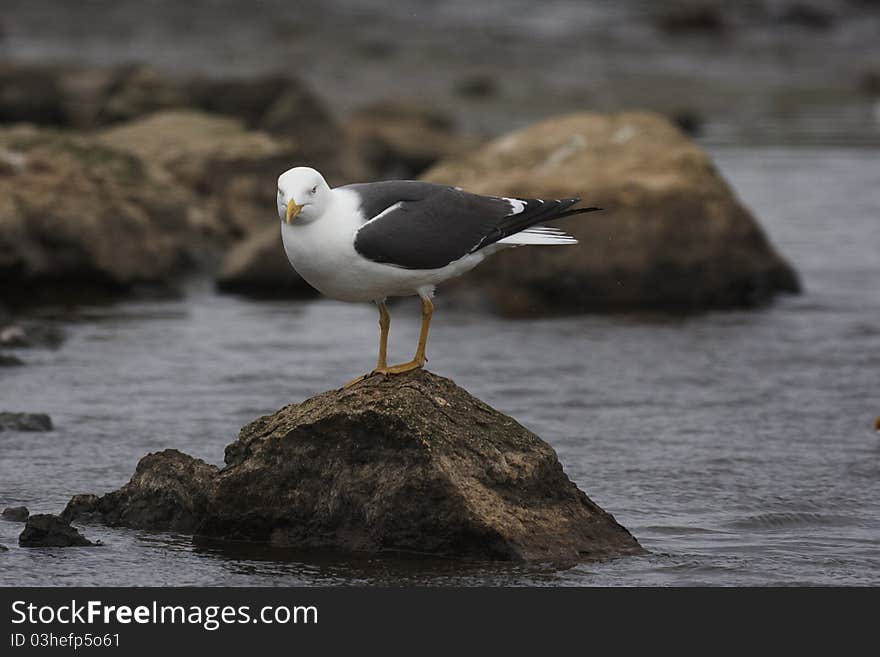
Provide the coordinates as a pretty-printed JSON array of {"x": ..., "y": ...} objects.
[
  {"x": 811, "y": 16},
  {"x": 31, "y": 335},
  {"x": 46, "y": 530},
  {"x": 692, "y": 17},
  {"x": 3, "y": 548},
  {"x": 10, "y": 361},
  {"x": 16, "y": 513},
  {"x": 25, "y": 422},
  {"x": 80, "y": 505}
]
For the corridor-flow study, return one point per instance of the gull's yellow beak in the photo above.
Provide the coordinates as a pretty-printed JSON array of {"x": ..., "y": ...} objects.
[{"x": 292, "y": 210}]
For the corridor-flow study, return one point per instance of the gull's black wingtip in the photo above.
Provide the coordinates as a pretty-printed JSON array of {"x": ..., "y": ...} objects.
[{"x": 569, "y": 213}]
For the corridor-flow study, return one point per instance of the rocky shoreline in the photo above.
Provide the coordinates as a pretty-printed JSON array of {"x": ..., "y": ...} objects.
[{"x": 411, "y": 463}]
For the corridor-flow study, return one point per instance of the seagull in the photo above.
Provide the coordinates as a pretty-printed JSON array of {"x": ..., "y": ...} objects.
[{"x": 370, "y": 241}]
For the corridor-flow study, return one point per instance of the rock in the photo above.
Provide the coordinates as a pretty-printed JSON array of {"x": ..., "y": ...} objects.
[
  {"x": 31, "y": 334},
  {"x": 134, "y": 91},
  {"x": 411, "y": 463},
  {"x": 10, "y": 361},
  {"x": 16, "y": 513},
  {"x": 869, "y": 82},
  {"x": 45, "y": 530},
  {"x": 223, "y": 163},
  {"x": 673, "y": 236},
  {"x": 25, "y": 422},
  {"x": 476, "y": 86},
  {"x": 3, "y": 548},
  {"x": 32, "y": 94},
  {"x": 83, "y": 218},
  {"x": 406, "y": 463},
  {"x": 286, "y": 108},
  {"x": 83, "y": 97},
  {"x": 689, "y": 121},
  {"x": 810, "y": 16},
  {"x": 80, "y": 506},
  {"x": 168, "y": 491},
  {"x": 693, "y": 17},
  {"x": 401, "y": 140},
  {"x": 258, "y": 267}
]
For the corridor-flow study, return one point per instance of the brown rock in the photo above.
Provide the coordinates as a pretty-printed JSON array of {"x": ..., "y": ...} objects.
[
  {"x": 406, "y": 463},
  {"x": 258, "y": 267},
  {"x": 673, "y": 235},
  {"x": 45, "y": 530},
  {"x": 285, "y": 107},
  {"x": 411, "y": 463},
  {"x": 84, "y": 97},
  {"x": 169, "y": 490},
  {"x": 231, "y": 169},
  {"x": 80, "y": 216},
  {"x": 401, "y": 140}
]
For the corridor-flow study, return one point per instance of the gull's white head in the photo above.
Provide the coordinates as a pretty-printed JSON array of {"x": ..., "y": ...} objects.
[{"x": 303, "y": 195}]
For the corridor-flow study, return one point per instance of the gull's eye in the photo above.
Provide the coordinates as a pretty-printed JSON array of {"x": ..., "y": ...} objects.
[{"x": 315, "y": 189}]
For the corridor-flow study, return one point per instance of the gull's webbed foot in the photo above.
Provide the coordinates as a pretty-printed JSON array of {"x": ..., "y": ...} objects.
[{"x": 401, "y": 368}]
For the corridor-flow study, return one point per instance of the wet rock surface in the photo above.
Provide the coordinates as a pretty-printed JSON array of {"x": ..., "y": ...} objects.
[
  {"x": 15, "y": 513},
  {"x": 25, "y": 422},
  {"x": 46, "y": 530},
  {"x": 672, "y": 236},
  {"x": 169, "y": 490},
  {"x": 409, "y": 463}
]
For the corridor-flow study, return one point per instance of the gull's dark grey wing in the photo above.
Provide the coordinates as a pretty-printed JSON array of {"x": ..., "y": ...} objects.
[{"x": 418, "y": 225}]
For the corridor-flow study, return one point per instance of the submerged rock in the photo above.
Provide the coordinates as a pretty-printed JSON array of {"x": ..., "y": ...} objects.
[
  {"x": 10, "y": 361},
  {"x": 672, "y": 237},
  {"x": 169, "y": 490},
  {"x": 45, "y": 530},
  {"x": 407, "y": 463},
  {"x": 15, "y": 513},
  {"x": 25, "y": 422},
  {"x": 258, "y": 267}
]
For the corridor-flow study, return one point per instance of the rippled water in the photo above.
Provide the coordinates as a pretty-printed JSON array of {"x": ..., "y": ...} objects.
[{"x": 736, "y": 446}]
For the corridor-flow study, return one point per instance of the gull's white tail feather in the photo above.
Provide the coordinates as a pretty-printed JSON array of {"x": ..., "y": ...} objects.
[{"x": 539, "y": 235}]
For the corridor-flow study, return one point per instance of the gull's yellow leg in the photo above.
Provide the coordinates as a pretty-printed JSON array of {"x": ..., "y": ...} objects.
[
  {"x": 419, "y": 359},
  {"x": 384, "y": 326}
]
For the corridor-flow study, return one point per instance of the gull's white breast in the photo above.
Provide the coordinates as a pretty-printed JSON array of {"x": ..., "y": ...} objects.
[{"x": 323, "y": 253}]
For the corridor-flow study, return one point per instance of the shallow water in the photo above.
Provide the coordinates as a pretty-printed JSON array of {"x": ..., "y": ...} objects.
[{"x": 737, "y": 446}]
